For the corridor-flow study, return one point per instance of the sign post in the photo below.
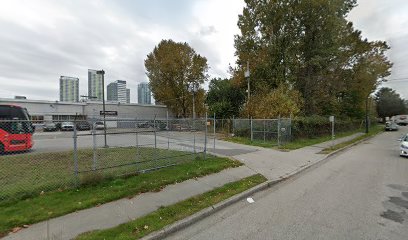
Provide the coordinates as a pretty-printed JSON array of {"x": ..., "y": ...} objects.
[{"x": 331, "y": 119}]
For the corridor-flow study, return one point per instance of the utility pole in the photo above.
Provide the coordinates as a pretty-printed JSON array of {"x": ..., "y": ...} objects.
[
  {"x": 103, "y": 104},
  {"x": 366, "y": 115},
  {"x": 246, "y": 74}
]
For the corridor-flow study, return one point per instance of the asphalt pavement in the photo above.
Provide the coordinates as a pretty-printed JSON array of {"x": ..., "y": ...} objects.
[{"x": 359, "y": 194}]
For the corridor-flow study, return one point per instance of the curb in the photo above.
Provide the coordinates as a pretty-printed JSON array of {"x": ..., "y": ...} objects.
[{"x": 188, "y": 221}]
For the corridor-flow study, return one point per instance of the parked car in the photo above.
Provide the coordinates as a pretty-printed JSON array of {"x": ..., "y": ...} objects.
[
  {"x": 99, "y": 125},
  {"x": 404, "y": 146},
  {"x": 83, "y": 126},
  {"x": 50, "y": 127},
  {"x": 391, "y": 126},
  {"x": 67, "y": 126}
]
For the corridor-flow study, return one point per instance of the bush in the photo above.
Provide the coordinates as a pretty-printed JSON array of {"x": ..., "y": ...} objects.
[{"x": 317, "y": 126}]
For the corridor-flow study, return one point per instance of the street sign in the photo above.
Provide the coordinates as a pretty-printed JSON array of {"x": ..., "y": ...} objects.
[
  {"x": 331, "y": 118},
  {"x": 109, "y": 113}
]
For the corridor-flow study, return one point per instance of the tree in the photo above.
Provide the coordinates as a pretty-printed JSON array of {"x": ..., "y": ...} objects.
[
  {"x": 310, "y": 46},
  {"x": 389, "y": 103},
  {"x": 281, "y": 101},
  {"x": 224, "y": 99},
  {"x": 175, "y": 73}
]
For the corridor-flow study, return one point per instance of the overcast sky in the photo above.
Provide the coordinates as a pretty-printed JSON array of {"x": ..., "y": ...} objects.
[{"x": 44, "y": 39}]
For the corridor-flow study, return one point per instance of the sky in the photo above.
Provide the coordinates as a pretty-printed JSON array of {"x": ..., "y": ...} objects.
[{"x": 44, "y": 39}]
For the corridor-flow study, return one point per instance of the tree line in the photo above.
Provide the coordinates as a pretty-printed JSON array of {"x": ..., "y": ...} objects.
[{"x": 304, "y": 56}]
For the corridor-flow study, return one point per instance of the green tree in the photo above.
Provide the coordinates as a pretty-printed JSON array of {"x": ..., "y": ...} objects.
[
  {"x": 310, "y": 46},
  {"x": 389, "y": 103},
  {"x": 175, "y": 73},
  {"x": 224, "y": 99}
]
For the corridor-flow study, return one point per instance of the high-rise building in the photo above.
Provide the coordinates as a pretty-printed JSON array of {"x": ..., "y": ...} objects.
[
  {"x": 95, "y": 87},
  {"x": 144, "y": 94},
  {"x": 112, "y": 92},
  {"x": 69, "y": 89},
  {"x": 117, "y": 91},
  {"x": 127, "y": 95}
]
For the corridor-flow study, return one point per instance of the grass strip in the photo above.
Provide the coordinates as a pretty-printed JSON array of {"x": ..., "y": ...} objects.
[
  {"x": 167, "y": 215},
  {"x": 58, "y": 203},
  {"x": 373, "y": 131},
  {"x": 295, "y": 144}
]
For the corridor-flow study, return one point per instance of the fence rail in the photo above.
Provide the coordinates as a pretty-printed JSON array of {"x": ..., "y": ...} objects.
[{"x": 67, "y": 154}]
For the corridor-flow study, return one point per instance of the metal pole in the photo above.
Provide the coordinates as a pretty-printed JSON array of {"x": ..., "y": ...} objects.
[
  {"x": 194, "y": 115},
  {"x": 103, "y": 106},
  {"x": 233, "y": 125},
  {"x": 214, "y": 132},
  {"x": 264, "y": 130},
  {"x": 279, "y": 127},
  {"x": 366, "y": 116},
  {"x": 76, "y": 157},
  {"x": 252, "y": 133},
  {"x": 168, "y": 131},
  {"x": 205, "y": 139},
  {"x": 94, "y": 148}
]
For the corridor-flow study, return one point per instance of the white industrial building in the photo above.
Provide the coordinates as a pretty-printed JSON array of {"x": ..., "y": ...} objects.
[{"x": 43, "y": 111}]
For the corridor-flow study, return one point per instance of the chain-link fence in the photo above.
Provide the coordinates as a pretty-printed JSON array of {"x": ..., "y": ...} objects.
[
  {"x": 63, "y": 155},
  {"x": 275, "y": 131}
]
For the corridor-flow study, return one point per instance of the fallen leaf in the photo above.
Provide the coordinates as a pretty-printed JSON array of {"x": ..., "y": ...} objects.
[{"x": 16, "y": 229}]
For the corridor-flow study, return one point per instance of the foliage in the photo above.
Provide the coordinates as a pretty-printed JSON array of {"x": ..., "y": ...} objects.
[
  {"x": 175, "y": 73},
  {"x": 224, "y": 98},
  {"x": 281, "y": 101},
  {"x": 316, "y": 126},
  {"x": 311, "y": 46},
  {"x": 389, "y": 103}
]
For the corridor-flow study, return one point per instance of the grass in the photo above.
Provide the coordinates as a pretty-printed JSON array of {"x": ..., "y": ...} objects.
[
  {"x": 255, "y": 142},
  {"x": 167, "y": 215},
  {"x": 57, "y": 203},
  {"x": 373, "y": 131},
  {"x": 295, "y": 144},
  {"x": 28, "y": 174}
]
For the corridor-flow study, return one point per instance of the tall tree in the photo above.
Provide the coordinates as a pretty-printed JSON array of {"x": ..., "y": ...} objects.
[
  {"x": 175, "y": 73},
  {"x": 389, "y": 103},
  {"x": 310, "y": 46},
  {"x": 224, "y": 99}
]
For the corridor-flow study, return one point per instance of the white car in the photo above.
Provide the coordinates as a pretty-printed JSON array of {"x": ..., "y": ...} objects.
[{"x": 404, "y": 146}]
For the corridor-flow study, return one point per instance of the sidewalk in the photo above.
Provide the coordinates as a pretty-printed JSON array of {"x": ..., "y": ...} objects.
[{"x": 273, "y": 164}]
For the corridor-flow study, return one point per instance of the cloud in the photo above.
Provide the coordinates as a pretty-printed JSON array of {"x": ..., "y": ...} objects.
[{"x": 387, "y": 21}]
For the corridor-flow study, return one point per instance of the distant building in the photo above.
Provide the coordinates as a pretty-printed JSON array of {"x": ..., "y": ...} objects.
[
  {"x": 117, "y": 92},
  {"x": 127, "y": 95},
  {"x": 144, "y": 94},
  {"x": 69, "y": 89},
  {"x": 95, "y": 88}
]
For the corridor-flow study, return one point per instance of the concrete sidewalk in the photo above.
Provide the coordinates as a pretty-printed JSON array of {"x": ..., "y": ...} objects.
[{"x": 271, "y": 163}]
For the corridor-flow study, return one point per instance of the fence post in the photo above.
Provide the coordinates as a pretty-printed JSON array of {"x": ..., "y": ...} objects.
[
  {"x": 252, "y": 133},
  {"x": 168, "y": 131},
  {"x": 205, "y": 139},
  {"x": 76, "y": 156},
  {"x": 264, "y": 130},
  {"x": 194, "y": 136},
  {"x": 290, "y": 128},
  {"x": 94, "y": 158},
  {"x": 233, "y": 125},
  {"x": 279, "y": 127},
  {"x": 155, "y": 145},
  {"x": 214, "y": 132}
]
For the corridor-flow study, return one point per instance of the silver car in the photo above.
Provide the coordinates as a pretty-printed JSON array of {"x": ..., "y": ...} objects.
[
  {"x": 67, "y": 126},
  {"x": 404, "y": 146}
]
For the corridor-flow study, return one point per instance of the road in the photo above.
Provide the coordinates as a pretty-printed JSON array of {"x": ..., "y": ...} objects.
[{"x": 359, "y": 194}]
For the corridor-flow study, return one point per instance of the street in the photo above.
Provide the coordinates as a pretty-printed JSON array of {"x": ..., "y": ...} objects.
[{"x": 359, "y": 194}]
